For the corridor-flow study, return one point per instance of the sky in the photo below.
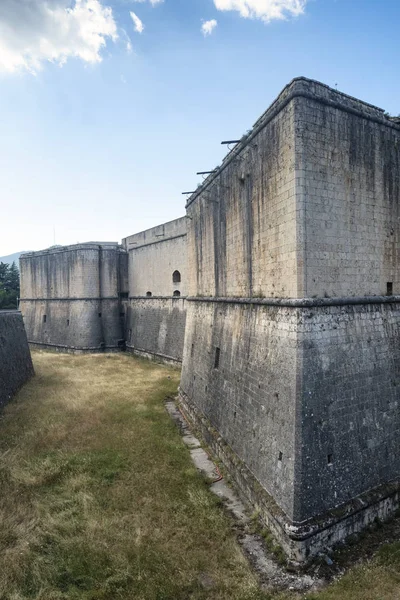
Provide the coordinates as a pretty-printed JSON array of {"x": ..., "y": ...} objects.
[{"x": 108, "y": 108}]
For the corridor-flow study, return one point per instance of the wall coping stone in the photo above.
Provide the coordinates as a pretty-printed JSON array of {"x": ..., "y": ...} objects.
[
  {"x": 66, "y": 299},
  {"x": 299, "y": 302},
  {"x": 160, "y": 241},
  {"x": 74, "y": 248},
  {"x": 157, "y": 297}
]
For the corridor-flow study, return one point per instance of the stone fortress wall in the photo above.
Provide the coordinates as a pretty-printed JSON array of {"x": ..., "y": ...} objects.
[
  {"x": 106, "y": 296},
  {"x": 292, "y": 349},
  {"x": 280, "y": 293},
  {"x": 15, "y": 360},
  {"x": 158, "y": 279},
  {"x": 71, "y": 296}
]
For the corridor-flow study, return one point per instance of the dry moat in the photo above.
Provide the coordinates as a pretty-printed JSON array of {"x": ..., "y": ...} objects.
[{"x": 100, "y": 500}]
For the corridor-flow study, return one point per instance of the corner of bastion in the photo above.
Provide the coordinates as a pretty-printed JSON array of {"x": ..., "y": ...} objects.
[{"x": 291, "y": 364}]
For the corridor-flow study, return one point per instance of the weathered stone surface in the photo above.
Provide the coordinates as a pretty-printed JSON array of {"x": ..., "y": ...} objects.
[
  {"x": 93, "y": 297},
  {"x": 291, "y": 351},
  {"x": 71, "y": 296},
  {"x": 15, "y": 359},
  {"x": 250, "y": 398},
  {"x": 154, "y": 256},
  {"x": 155, "y": 324}
]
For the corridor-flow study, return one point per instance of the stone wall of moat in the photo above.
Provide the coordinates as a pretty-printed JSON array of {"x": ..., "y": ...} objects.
[{"x": 15, "y": 359}]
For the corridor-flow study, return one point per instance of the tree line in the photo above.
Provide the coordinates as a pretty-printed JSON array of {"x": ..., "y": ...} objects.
[{"x": 9, "y": 286}]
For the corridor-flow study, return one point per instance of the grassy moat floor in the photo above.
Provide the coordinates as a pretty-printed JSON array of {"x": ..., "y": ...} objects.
[{"x": 99, "y": 499}]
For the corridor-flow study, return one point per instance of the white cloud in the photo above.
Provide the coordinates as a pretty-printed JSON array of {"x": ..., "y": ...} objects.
[
  {"x": 126, "y": 40},
  {"x": 35, "y": 31},
  {"x": 137, "y": 23},
  {"x": 208, "y": 27},
  {"x": 152, "y": 2},
  {"x": 266, "y": 10}
]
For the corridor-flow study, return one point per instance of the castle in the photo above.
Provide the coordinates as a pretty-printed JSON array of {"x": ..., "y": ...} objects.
[
  {"x": 280, "y": 294},
  {"x": 108, "y": 296}
]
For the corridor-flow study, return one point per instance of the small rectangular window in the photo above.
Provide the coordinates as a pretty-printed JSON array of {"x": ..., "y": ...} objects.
[
  {"x": 280, "y": 456},
  {"x": 217, "y": 356},
  {"x": 67, "y": 322},
  {"x": 44, "y": 318},
  {"x": 99, "y": 315},
  {"x": 389, "y": 288},
  {"x": 330, "y": 459}
]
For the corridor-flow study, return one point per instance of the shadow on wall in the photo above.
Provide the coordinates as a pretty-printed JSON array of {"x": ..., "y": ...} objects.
[{"x": 16, "y": 366}]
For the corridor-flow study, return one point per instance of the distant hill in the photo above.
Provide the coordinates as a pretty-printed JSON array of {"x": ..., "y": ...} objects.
[{"x": 12, "y": 258}]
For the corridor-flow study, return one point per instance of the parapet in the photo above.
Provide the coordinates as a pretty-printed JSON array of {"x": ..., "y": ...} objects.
[
  {"x": 154, "y": 235},
  {"x": 72, "y": 248}
]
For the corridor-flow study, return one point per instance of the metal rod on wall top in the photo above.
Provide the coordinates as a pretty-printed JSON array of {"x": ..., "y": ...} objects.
[{"x": 231, "y": 142}]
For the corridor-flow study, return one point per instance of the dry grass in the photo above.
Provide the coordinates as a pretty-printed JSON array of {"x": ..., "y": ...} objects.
[
  {"x": 99, "y": 499},
  {"x": 378, "y": 579}
]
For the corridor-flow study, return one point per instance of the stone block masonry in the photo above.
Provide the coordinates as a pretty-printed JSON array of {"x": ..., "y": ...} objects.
[
  {"x": 104, "y": 296},
  {"x": 158, "y": 283},
  {"x": 15, "y": 360},
  {"x": 71, "y": 296},
  {"x": 156, "y": 327},
  {"x": 291, "y": 363}
]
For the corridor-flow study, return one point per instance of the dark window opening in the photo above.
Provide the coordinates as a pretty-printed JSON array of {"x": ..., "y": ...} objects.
[
  {"x": 149, "y": 294},
  {"x": 330, "y": 459},
  {"x": 280, "y": 456},
  {"x": 389, "y": 288},
  {"x": 67, "y": 322},
  {"x": 123, "y": 295},
  {"x": 99, "y": 315},
  {"x": 176, "y": 277},
  {"x": 217, "y": 356},
  {"x": 177, "y": 293},
  {"x": 44, "y": 318},
  {"x": 192, "y": 350}
]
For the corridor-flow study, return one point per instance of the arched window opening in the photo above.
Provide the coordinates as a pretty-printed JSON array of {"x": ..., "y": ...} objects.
[
  {"x": 177, "y": 293},
  {"x": 176, "y": 277},
  {"x": 149, "y": 294}
]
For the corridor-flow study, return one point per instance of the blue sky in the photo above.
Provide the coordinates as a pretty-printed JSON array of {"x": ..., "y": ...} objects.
[{"x": 102, "y": 146}]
